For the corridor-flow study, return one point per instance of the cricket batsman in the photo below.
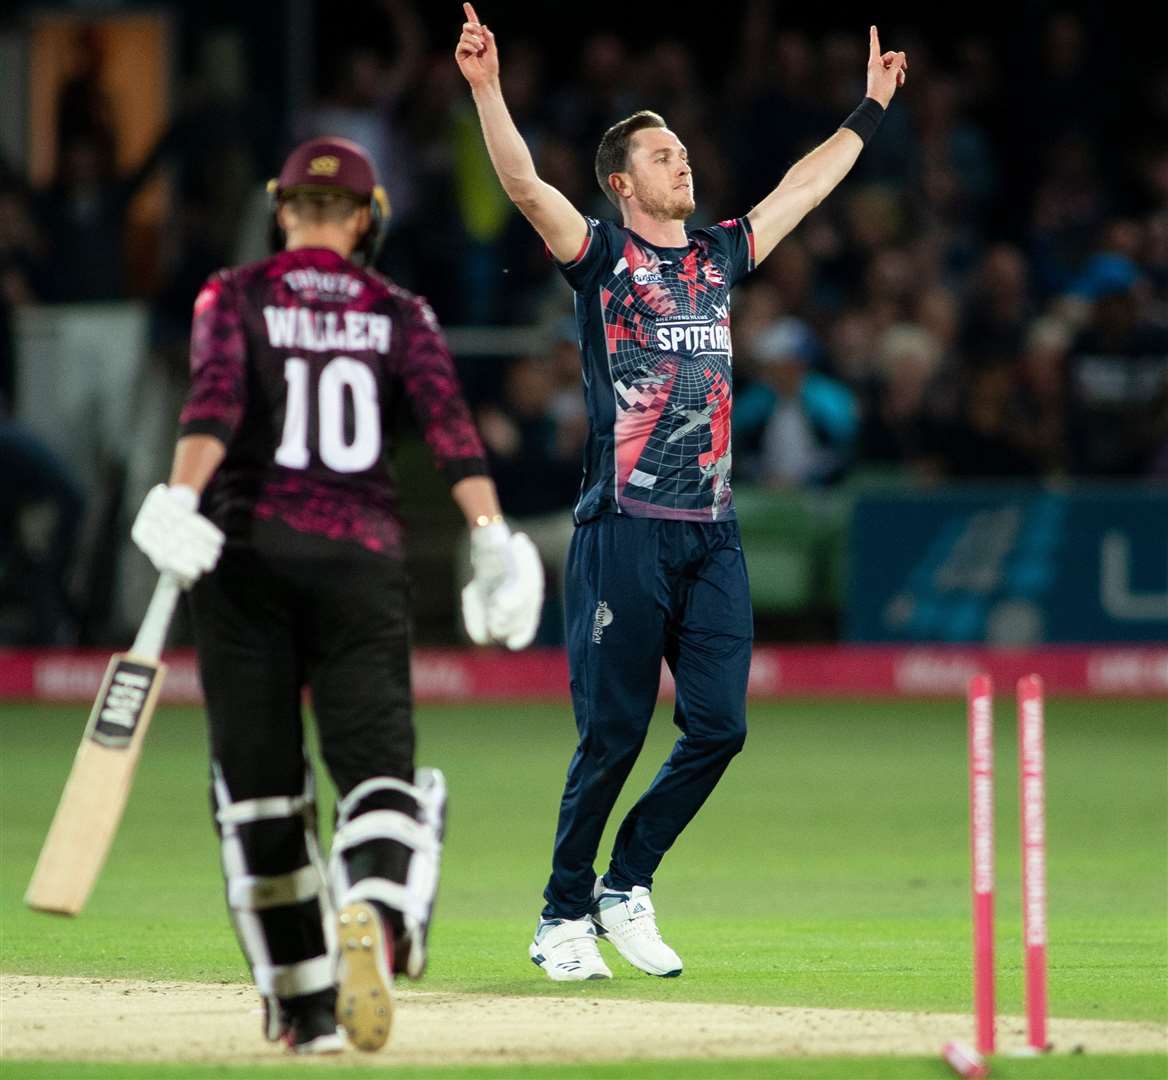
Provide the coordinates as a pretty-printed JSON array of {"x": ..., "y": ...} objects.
[
  {"x": 298, "y": 362},
  {"x": 655, "y": 569}
]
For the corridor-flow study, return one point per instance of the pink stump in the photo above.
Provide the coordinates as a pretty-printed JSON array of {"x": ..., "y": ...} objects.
[
  {"x": 1032, "y": 773},
  {"x": 980, "y": 708}
]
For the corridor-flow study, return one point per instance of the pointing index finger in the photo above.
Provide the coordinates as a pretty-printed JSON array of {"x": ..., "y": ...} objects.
[
  {"x": 873, "y": 37},
  {"x": 470, "y": 13}
]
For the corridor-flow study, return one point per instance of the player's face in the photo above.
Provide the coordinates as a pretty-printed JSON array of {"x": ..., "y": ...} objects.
[{"x": 660, "y": 174}]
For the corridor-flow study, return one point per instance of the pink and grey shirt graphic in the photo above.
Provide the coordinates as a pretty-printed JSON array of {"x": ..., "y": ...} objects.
[
  {"x": 298, "y": 363},
  {"x": 654, "y": 327}
]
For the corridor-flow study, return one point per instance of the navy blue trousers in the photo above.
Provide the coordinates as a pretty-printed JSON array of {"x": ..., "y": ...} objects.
[{"x": 639, "y": 590}]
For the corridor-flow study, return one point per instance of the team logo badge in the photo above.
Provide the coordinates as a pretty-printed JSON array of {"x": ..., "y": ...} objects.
[
  {"x": 602, "y": 619},
  {"x": 325, "y": 165}
]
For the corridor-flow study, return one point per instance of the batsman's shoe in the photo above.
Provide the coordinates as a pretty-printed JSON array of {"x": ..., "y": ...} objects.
[
  {"x": 628, "y": 920},
  {"x": 365, "y": 976},
  {"x": 566, "y": 950},
  {"x": 308, "y": 1024}
]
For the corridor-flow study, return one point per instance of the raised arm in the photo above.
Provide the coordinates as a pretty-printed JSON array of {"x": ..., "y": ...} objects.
[
  {"x": 809, "y": 181},
  {"x": 561, "y": 225}
]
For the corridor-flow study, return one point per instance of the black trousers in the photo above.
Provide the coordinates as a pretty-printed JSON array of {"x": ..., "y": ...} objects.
[{"x": 267, "y": 627}]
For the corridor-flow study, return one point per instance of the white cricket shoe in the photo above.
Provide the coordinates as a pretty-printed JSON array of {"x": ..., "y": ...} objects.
[
  {"x": 628, "y": 920},
  {"x": 566, "y": 950}
]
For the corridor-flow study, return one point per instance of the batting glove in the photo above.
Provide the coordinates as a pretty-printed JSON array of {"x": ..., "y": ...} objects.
[
  {"x": 504, "y": 600},
  {"x": 174, "y": 536}
]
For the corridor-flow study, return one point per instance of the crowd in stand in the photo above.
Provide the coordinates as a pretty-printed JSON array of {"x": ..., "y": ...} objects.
[{"x": 986, "y": 295}]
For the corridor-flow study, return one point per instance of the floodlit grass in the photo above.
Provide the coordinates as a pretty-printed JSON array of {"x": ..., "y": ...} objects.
[
  {"x": 1055, "y": 1067},
  {"x": 830, "y": 868}
]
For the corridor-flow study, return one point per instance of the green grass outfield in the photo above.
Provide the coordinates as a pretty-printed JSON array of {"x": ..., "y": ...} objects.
[
  {"x": 830, "y": 868},
  {"x": 1101, "y": 1067}
]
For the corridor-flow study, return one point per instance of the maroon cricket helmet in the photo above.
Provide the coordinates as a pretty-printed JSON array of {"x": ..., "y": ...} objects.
[
  {"x": 328, "y": 163},
  {"x": 331, "y": 163}
]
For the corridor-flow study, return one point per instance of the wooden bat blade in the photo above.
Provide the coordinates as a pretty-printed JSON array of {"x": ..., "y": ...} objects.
[{"x": 98, "y": 786}]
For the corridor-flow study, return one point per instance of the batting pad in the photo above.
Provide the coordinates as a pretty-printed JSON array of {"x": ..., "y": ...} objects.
[
  {"x": 400, "y": 825},
  {"x": 270, "y": 910}
]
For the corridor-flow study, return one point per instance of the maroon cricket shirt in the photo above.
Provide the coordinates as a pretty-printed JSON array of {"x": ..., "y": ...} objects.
[{"x": 298, "y": 363}]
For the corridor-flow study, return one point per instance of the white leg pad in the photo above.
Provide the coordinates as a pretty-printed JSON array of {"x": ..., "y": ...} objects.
[
  {"x": 366, "y": 788},
  {"x": 258, "y": 893},
  {"x": 384, "y": 825},
  {"x": 250, "y": 894},
  {"x": 413, "y": 898},
  {"x": 290, "y": 980},
  {"x": 384, "y": 892},
  {"x": 248, "y": 810}
]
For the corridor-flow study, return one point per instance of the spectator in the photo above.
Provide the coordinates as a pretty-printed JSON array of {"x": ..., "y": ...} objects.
[
  {"x": 1156, "y": 265},
  {"x": 41, "y": 506},
  {"x": 216, "y": 175},
  {"x": 567, "y": 407},
  {"x": 367, "y": 88},
  {"x": 22, "y": 269},
  {"x": 1067, "y": 99},
  {"x": 1037, "y": 409},
  {"x": 983, "y": 82},
  {"x": 950, "y": 143},
  {"x": 435, "y": 248},
  {"x": 1070, "y": 203},
  {"x": 528, "y": 457},
  {"x": 889, "y": 284},
  {"x": 1117, "y": 375},
  {"x": 999, "y": 308},
  {"x": 953, "y": 177},
  {"x": 601, "y": 93},
  {"x": 536, "y": 459},
  {"x": 41, "y": 510},
  {"x": 939, "y": 312},
  {"x": 902, "y": 421},
  {"x": 789, "y": 274},
  {"x": 803, "y": 422},
  {"x": 83, "y": 214},
  {"x": 982, "y": 442},
  {"x": 757, "y": 304},
  {"x": 851, "y": 351},
  {"x": 780, "y": 111}
]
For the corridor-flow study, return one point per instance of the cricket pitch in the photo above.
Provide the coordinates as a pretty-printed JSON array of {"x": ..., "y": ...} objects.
[{"x": 77, "y": 1019}]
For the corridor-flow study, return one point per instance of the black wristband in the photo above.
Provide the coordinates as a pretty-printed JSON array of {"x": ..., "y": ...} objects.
[{"x": 865, "y": 119}]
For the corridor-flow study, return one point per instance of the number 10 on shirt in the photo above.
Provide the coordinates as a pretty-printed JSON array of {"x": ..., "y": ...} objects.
[{"x": 341, "y": 378}]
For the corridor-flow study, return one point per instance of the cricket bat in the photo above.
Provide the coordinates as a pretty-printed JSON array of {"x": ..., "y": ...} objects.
[{"x": 99, "y": 783}]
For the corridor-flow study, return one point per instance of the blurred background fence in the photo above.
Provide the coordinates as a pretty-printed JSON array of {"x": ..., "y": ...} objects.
[{"x": 951, "y": 411}]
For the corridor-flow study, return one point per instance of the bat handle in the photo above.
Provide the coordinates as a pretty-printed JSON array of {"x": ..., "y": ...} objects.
[{"x": 152, "y": 633}]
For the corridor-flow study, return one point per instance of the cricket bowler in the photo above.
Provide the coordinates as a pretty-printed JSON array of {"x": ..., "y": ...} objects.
[{"x": 655, "y": 569}]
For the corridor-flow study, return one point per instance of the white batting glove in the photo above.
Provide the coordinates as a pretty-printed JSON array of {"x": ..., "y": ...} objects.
[
  {"x": 504, "y": 600},
  {"x": 174, "y": 536}
]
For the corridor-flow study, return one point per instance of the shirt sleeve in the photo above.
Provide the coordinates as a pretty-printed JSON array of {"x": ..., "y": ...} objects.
[
  {"x": 431, "y": 383},
  {"x": 218, "y": 392},
  {"x": 583, "y": 272},
  {"x": 734, "y": 241}
]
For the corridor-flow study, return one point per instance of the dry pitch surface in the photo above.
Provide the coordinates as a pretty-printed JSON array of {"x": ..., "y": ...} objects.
[{"x": 72, "y": 1019}]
